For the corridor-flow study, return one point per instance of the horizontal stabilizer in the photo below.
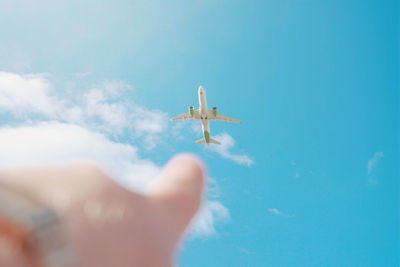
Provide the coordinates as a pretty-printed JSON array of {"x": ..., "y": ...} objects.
[
  {"x": 201, "y": 141},
  {"x": 212, "y": 141}
]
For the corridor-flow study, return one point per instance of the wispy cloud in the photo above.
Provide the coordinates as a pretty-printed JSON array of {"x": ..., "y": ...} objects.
[
  {"x": 51, "y": 129},
  {"x": 27, "y": 94},
  {"x": 227, "y": 143},
  {"x": 98, "y": 106},
  {"x": 183, "y": 129},
  {"x": 211, "y": 212},
  {"x": 246, "y": 251},
  {"x": 372, "y": 163},
  {"x": 82, "y": 74},
  {"x": 275, "y": 211},
  {"x": 279, "y": 212},
  {"x": 103, "y": 106}
]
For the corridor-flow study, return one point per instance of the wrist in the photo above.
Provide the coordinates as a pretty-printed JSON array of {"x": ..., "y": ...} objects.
[{"x": 31, "y": 234}]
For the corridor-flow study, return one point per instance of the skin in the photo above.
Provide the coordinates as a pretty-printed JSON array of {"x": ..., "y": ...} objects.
[{"x": 110, "y": 225}]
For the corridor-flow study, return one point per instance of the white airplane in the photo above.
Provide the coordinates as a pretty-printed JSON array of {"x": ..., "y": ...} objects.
[{"x": 205, "y": 116}]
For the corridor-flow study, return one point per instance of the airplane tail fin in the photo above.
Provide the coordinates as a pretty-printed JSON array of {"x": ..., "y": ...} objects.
[{"x": 212, "y": 141}]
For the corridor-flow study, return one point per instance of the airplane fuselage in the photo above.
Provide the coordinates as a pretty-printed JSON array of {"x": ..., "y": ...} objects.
[{"x": 203, "y": 114}]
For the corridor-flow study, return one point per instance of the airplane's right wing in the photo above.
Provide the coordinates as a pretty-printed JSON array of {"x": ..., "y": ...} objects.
[{"x": 226, "y": 118}]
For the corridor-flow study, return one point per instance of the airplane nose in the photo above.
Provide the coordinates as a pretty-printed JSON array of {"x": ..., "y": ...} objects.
[{"x": 201, "y": 89}]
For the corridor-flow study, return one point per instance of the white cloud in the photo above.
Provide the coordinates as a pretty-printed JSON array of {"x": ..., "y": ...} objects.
[
  {"x": 106, "y": 103},
  {"x": 374, "y": 161},
  {"x": 195, "y": 127},
  {"x": 82, "y": 74},
  {"x": 116, "y": 87},
  {"x": 210, "y": 213},
  {"x": 246, "y": 251},
  {"x": 275, "y": 211},
  {"x": 227, "y": 142},
  {"x": 186, "y": 129},
  {"x": 112, "y": 115},
  {"x": 23, "y": 94},
  {"x": 74, "y": 114},
  {"x": 152, "y": 122},
  {"x": 103, "y": 107},
  {"x": 280, "y": 213}
]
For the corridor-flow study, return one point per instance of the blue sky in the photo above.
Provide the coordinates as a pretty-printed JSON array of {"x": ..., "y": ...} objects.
[{"x": 316, "y": 83}]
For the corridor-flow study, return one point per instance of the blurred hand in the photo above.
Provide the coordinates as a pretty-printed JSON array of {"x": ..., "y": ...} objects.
[{"x": 110, "y": 225}]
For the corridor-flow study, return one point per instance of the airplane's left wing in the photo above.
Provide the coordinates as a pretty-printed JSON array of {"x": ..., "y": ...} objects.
[
  {"x": 226, "y": 118},
  {"x": 192, "y": 114},
  {"x": 185, "y": 116}
]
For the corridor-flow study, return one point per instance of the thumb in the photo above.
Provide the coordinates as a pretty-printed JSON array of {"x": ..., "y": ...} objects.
[{"x": 179, "y": 190}]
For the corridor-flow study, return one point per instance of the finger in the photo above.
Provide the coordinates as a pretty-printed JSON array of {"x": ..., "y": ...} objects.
[{"x": 179, "y": 190}]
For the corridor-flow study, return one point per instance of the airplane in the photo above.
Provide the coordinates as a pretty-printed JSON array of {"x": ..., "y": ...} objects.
[{"x": 205, "y": 116}]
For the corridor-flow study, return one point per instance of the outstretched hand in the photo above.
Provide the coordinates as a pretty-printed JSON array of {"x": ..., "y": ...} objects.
[{"x": 110, "y": 225}]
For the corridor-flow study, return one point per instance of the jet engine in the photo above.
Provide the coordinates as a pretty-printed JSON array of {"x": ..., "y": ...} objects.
[
  {"x": 191, "y": 110},
  {"x": 215, "y": 111}
]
